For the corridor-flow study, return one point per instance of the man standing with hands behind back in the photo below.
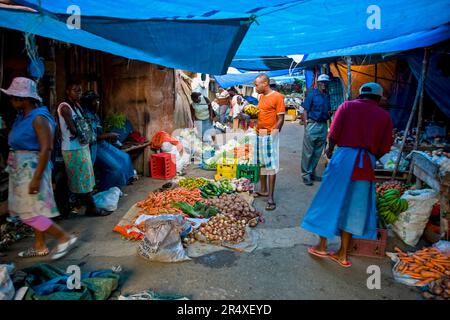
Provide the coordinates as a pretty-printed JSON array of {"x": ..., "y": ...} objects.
[
  {"x": 317, "y": 112},
  {"x": 270, "y": 121}
]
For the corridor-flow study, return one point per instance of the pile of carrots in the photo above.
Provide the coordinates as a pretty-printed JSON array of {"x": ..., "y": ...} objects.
[
  {"x": 161, "y": 202},
  {"x": 426, "y": 265}
]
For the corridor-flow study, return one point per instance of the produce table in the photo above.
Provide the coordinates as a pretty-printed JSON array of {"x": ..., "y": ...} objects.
[{"x": 427, "y": 171}]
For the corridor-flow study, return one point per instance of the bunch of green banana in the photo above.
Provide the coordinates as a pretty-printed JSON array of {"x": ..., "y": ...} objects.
[{"x": 390, "y": 205}]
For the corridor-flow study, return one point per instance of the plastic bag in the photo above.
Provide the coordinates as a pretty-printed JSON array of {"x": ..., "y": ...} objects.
[
  {"x": 401, "y": 277},
  {"x": 108, "y": 199},
  {"x": 411, "y": 223},
  {"x": 162, "y": 240},
  {"x": 443, "y": 246},
  {"x": 7, "y": 290}
]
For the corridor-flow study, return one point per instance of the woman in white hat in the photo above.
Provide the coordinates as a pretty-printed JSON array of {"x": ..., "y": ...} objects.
[
  {"x": 224, "y": 101},
  {"x": 30, "y": 189}
]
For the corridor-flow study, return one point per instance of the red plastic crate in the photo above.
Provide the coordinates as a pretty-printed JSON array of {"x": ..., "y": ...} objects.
[
  {"x": 370, "y": 248},
  {"x": 163, "y": 166}
]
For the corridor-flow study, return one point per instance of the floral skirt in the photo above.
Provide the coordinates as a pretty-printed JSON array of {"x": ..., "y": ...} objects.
[
  {"x": 21, "y": 168},
  {"x": 79, "y": 170}
]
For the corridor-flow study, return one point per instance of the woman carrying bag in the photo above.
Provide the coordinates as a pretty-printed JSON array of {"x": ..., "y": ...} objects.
[{"x": 76, "y": 134}]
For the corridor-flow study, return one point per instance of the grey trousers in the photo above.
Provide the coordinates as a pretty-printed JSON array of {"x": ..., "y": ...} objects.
[{"x": 314, "y": 141}]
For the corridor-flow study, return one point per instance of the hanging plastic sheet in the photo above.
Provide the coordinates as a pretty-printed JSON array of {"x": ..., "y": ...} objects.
[{"x": 437, "y": 83}]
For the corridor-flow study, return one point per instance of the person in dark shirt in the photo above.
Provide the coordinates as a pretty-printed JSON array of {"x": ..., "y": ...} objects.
[{"x": 317, "y": 113}]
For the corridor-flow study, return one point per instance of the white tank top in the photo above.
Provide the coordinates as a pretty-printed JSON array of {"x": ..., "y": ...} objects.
[
  {"x": 66, "y": 142},
  {"x": 201, "y": 109}
]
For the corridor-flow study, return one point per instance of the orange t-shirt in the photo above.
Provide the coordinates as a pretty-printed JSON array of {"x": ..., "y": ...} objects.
[{"x": 270, "y": 106}]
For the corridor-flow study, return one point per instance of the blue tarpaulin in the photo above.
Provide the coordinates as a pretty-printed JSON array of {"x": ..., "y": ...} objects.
[
  {"x": 437, "y": 83},
  {"x": 204, "y": 36},
  {"x": 234, "y": 79},
  {"x": 205, "y": 44}
]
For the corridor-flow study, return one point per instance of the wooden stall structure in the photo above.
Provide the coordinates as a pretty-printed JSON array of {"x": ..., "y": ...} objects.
[{"x": 427, "y": 171}]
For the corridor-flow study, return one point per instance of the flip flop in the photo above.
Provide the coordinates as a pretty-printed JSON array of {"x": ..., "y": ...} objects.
[
  {"x": 258, "y": 194},
  {"x": 271, "y": 206},
  {"x": 316, "y": 253},
  {"x": 346, "y": 264},
  {"x": 64, "y": 248},
  {"x": 32, "y": 253}
]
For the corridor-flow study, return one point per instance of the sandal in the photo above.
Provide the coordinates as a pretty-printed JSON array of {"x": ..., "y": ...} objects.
[
  {"x": 344, "y": 264},
  {"x": 258, "y": 194},
  {"x": 64, "y": 248},
  {"x": 271, "y": 206},
  {"x": 32, "y": 253},
  {"x": 316, "y": 253}
]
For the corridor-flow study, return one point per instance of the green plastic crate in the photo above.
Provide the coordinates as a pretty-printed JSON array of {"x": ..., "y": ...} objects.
[{"x": 250, "y": 172}]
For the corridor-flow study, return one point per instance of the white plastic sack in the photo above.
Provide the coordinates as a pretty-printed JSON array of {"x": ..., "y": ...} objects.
[
  {"x": 7, "y": 290},
  {"x": 168, "y": 147},
  {"x": 108, "y": 199},
  {"x": 411, "y": 223},
  {"x": 401, "y": 277},
  {"x": 162, "y": 241}
]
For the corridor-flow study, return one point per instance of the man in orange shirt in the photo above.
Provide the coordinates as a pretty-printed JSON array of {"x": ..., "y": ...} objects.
[{"x": 270, "y": 121}]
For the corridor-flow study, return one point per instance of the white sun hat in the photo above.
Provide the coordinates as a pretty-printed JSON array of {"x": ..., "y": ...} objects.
[
  {"x": 371, "y": 88},
  {"x": 323, "y": 77},
  {"x": 23, "y": 88}
]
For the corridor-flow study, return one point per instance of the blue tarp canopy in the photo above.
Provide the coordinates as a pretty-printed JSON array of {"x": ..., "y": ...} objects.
[
  {"x": 437, "y": 83},
  {"x": 204, "y": 36},
  {"x": 134, "y": 29},
  {"x": 234, "y": 79}
]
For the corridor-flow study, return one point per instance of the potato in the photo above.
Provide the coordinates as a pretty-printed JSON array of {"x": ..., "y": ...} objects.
[
  {"x": 427, "y": 295},
  {"x": 437, "y": 290}
]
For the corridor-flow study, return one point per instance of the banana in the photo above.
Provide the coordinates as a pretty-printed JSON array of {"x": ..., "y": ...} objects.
[
  {"x": 391, "y": 192},
  {"x": 390, "y": 197},
  {"x": 396, "y": 207},
  {"x": 404, "y": 205}
]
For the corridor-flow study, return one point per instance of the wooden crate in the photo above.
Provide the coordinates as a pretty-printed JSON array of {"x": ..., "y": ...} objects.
[
  {"x": 370, "y": 248},
  {"x": 384, "y": 175}
]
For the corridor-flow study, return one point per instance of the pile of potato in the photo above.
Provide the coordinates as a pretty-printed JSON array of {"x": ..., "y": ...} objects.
[
  {"x": 235, "y": 206},
  {"x": 439, "y": 290},
  {"x": 229, "y": 225},
  {"x": 221, "y": 228}
]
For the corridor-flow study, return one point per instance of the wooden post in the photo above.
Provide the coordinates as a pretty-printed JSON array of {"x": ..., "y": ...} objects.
[
  {"x": 376, "y": 72},
  {"x": 349, "y": 78},
  {"x": 341, "y": 78},
  {"x": 419, "y": 92},
  {"x": 426, "y": 57}
]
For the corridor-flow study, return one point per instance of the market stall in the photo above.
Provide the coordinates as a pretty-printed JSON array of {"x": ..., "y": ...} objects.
[
  {"x": 435, "y": 172},
  {"x": 189, "y": 211}
]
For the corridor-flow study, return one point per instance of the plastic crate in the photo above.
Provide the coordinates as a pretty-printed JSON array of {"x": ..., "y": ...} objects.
[
  {"x": 370, "y": 248},
  {"x": 292, "y": 112},
  {"x": 250, "y": 172},
  {"x": 226, "y": 171},
  {"x": 163, "y": 166}
]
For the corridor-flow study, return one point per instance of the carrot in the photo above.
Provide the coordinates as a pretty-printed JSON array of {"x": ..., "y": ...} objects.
[
  {"x": 418, "y": 269},
  {"x": 418, "y": 258},
  {"x": 424, "y": 282},
  {"x": 437, "y": 265},
  {"x": 429, "y": 274},
  {"x": 398, "y": 250}
]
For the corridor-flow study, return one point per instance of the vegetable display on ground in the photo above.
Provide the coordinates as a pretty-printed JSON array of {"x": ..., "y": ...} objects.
[
  {"x": 192, "y": 182},
  {"x": 162, "y": 202},
  {"x": 426, "y": 265},
  {"x": 229, "y": 225}
]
